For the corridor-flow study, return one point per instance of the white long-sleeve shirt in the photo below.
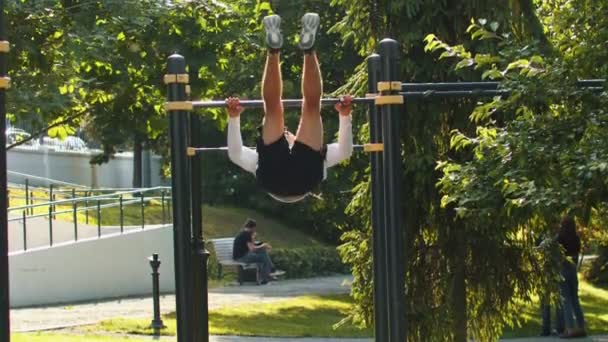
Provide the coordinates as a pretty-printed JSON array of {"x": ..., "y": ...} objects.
[{"x": 247, "y": 158}]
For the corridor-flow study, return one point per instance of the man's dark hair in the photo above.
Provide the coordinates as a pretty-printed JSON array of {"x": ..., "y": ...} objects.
[{"x": 250, "y": 223}]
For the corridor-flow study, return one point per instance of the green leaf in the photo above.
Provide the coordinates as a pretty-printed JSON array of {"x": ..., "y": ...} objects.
[
  {"x": 492, "y": 74},
  {"x": 465, "y": 63},
  {"x": 265, "y": 6},
  {"x": 121, "y": 36}
]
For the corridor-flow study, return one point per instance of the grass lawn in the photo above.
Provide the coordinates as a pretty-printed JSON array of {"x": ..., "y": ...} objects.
[
  {"x": 594, "y": 301},
  {"x": 316, "y": 315},
  {"x": 299, "y": 317}
]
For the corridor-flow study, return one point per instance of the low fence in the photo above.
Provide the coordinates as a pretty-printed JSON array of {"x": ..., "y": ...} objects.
[{"x": 50, "y": 209}]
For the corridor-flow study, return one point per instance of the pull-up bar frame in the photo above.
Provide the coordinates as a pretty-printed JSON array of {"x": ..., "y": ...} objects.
[
  {"x": 409, "y": 91},
  {"x": 192, "y": 151},
  {"x": 385, "y": 101}
]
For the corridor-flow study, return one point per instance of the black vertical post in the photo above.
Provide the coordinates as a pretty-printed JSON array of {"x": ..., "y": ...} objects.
[
  {"x": 378, "y": 225},
  {"x": 54, "y": 207},
  {"x": 98, "y": 218},
  {"x": 121, "y": 214},
  {"x": 50, "y": 225},
  {"x": 389, "y": 52},
  {"x": 178, "y": 131},
  {"x": 24, "y": 230},
  {"x": 86, "y": 207},
  {"x": 27, "y": 192},
  {"x": 143, "y": 218},
  {"x": 75, "y": 214},
  {"x": 5, "y": 329},
  {"x": 162, "y": 205},
  {"x": 157, "y": 323},
  {"x": 200, "y": 255}
]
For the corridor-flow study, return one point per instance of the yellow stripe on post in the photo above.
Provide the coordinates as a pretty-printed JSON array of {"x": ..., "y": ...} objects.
[
  {"x": 176, "y": 78},
  {"x": 5, "y": 82},
  {"x": 388, "y": 86},
  {"x": 179, "y": 105},
  {"x": 5, "y": 46},
  {"x": 191, "y": 151},
  {"x": 389, "y": 100},
  {"x": 378, "y": 147}
]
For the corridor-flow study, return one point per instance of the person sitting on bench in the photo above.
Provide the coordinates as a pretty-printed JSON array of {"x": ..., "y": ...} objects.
[
  {"x": 290, "y": 166},
  {"x": 246, "y": 250}
]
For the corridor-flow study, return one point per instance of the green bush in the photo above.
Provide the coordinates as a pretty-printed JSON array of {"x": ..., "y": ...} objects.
[
  {"x": 301, "y": 262},
  {"x": 308, "y": 261}
]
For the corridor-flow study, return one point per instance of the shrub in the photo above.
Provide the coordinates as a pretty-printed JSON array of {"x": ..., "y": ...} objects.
[
  {"x": 300, "y": 262},
  {"x": 308, "y": 261}
]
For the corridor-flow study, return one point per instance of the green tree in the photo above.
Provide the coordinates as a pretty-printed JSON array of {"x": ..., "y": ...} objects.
[{"x": 453, "y": 272}]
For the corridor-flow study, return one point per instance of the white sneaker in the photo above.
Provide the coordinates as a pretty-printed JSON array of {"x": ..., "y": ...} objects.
[
  {"x": 272, "y": 25},
  {"x": 310, "y": 24},
  {"x": 277, "y": 273}
]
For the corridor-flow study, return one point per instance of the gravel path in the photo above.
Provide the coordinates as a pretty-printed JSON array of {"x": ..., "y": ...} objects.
[{"x": 53, "y": 317}]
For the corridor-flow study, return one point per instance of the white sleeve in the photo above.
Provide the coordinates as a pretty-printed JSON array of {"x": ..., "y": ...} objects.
[
  {"x": 343, "y": 149},
  {"x": 240, "y": 155}
]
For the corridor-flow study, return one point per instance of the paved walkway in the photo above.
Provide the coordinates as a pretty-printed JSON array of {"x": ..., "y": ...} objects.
[{"x": 53, "y": 317}]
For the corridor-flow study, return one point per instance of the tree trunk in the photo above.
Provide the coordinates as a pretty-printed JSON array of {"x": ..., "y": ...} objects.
[{"x": 137, "y": 159}]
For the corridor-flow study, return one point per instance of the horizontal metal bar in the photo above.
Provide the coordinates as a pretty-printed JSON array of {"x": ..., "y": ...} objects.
[
  {"x": 200, "y": 150},
  {"x": 459, "y": 86},
  {"x": 288, "y": 103},
  {"x": 82, "y": 199},
  {"x": 453, "y": 93},
  {"x": 89, "y": 208},
  {"x": 449, "y": 86},
  {"x": 409, "y": 90}
]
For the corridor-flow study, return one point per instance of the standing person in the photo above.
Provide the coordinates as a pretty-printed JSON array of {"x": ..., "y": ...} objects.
[
  {"x": 573, "y": 314},
  {"x": 547, "y": 243},
  {"x": 290, "y": 166},
  {"x": 246, "y": 250}
]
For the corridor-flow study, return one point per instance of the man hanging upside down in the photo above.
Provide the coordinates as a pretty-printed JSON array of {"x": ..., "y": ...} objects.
[{"x": 289, "y": 167}]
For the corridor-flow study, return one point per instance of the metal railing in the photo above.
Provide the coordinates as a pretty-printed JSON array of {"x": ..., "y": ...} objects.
[{"x": 87, "y": 204}]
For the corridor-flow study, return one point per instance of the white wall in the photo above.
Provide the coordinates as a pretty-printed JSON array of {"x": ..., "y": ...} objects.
[
  {"x": 74, "y": 167},
  {"x": 111, "y": 266}
]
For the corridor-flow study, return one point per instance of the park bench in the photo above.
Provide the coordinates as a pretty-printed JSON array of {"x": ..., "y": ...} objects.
[{"x": 223, "y": 253}]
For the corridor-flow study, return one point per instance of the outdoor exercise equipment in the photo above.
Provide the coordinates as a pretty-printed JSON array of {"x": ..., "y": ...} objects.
[
  {"x": 385, "y": 100},
  {"x": 5, "y": 331}
]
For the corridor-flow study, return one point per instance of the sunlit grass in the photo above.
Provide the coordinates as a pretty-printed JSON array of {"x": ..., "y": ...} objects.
[
  {"x": 306, "y": 316},
  {"x": 315, "y": 316},
  {"x": 594, "y": 301}
]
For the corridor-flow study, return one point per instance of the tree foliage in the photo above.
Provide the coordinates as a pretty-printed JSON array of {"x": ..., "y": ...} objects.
[{"x": 489, "y": 258}]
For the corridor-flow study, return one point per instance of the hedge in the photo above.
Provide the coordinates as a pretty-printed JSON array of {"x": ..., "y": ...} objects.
[
  {"x": 305, "y": 262},
  {"x": 302, "y": 262}
]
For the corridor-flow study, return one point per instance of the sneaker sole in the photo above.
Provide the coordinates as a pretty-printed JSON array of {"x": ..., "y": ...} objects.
[
  {"x": 272, "y": 24},
  {"x": 310, "y": 25}
]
